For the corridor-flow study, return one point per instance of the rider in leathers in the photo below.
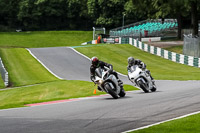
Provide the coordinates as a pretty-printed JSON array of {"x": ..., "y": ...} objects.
[
  {"x": 132, "y": 61},
  {"x": 96, "y": 63}
]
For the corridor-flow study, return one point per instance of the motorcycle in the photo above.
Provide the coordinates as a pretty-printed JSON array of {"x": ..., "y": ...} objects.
[
  {"x": 140, "y": 78},
  {"x": 108, "y": 83}
]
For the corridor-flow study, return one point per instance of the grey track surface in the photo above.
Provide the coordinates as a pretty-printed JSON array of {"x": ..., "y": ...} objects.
[
  {"x": 99, "y": 114},
  {"x": 64, "y": 62}
]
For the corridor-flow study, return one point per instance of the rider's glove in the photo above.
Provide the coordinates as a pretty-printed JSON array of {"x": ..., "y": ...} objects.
[
  {"x": 110, "y": 71},
  {"x": 92, "y": 78}
]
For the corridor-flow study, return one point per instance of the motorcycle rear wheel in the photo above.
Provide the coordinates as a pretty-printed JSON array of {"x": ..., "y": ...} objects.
[{"x": 110, "y": 91}]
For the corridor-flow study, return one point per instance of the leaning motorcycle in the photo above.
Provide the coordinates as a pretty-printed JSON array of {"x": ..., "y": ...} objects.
[
  {"x": 109, "y": 83},
  {"x": 140, "y": 78}
]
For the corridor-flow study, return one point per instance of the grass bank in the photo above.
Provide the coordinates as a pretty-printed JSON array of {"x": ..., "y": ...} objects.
[
  {"x": 176, "y": 49},
  {"x": 44, "y": 38},
  {"x": 1, "y": 82},
  {"x": 22, "y": 68},
  {"x": 188, "y": 124},
  {"x": 56, "y": 90},
  {"x": 25, "y": 70},
  {"x": 161, "y": 69}
]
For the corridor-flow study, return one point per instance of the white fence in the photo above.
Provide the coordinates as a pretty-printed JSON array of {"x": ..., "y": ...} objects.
[{"x": 179, "y": 58}]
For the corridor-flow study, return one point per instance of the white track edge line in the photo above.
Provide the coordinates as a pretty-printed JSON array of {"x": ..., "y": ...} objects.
[
  {"x": 79, "y": 53},
  {"x": 43, "y": 64},
  {"x": 89, "y": 59},
  {"x": 176, "y": 118}
]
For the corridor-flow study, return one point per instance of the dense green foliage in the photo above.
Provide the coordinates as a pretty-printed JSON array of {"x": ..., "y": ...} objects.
[
  {"x": 44, "y": 38},
  {"x": 84, "y": 14},
  {"x": 161, "y": 69}
]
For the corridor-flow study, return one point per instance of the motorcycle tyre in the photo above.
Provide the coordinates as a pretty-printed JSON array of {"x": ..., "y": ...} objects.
[
  {"x": 153, "y": 89},
  {"x": 142, "y": 86},
  {"x": 122, "y": 92},
  {"x": 110, "y": 91}
]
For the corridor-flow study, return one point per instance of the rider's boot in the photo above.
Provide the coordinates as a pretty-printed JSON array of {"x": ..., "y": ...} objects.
[
  {"x": 120, "y": 83},
  {"x": 152, "y": 79},
  {"x": 99, "y": 88},
  {"x": 153, "y": 82}
]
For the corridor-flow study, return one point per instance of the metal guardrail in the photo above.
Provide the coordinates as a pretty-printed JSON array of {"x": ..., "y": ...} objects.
[
  {"x": 191, "y": 45},
  {"x": 4, "y": 73}
]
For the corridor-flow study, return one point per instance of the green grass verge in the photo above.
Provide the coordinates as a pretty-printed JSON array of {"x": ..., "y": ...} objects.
[
  {"x": 176, "y": 49},
  {"x": 22, "y": 68},
  {"x": 44, "y": 38},
  {"x": 25, "y": 70},
  {"x": 1, "y": 83},
  {"x": 161, "y": 69},
  {"x": 57, "y": 90},
  {"x": 188, "y": 124}
]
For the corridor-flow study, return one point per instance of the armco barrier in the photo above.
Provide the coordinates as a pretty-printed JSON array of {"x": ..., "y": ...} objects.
[
  {"x": 4, "y": 73},
  {"x": 179, "y": 58}
]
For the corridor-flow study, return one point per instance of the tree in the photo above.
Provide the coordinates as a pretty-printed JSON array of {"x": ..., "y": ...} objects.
[
  {"x": 8, "y": 12},
  {"x": 42, "y": 14},
  {"x": 78, "y": 14},
  {"x": 179, "y": 9},
  {"x": 106, "y": 13},
  {"x": 172, "y": 8},
  {"x": 194, "y": 16}
]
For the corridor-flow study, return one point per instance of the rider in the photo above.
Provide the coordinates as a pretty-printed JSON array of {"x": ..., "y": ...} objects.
[
  {"x": 132, "y": 61},
  {"x": 96, "y": 63}
]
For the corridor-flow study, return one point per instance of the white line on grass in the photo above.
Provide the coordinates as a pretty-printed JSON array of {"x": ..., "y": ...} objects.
[
  {"x": 43, "y": 64},
  {"x": 176, "y": 118}
]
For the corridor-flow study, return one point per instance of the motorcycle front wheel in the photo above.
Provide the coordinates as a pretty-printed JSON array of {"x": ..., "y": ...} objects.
[
  {"x": 143, "y": 87},
  {"x": 111, "y": 91},
  {"x": 153, "y": 89},
  {"x": 122, "y": 92}
]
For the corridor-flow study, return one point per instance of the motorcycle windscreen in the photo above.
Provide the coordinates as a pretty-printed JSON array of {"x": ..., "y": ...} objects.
[
  {"x": 133, "y": 68},
  {"x": 98, "y": 72}
]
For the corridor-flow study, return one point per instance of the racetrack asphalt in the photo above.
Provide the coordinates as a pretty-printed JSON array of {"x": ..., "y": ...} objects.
[{"x": 99, "y": 114}]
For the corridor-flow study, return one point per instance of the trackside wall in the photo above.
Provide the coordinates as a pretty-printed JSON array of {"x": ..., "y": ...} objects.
[{"x": 179, "y": 58}]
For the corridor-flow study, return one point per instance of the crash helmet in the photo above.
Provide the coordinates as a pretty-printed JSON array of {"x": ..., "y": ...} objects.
[
  {"x": 131, "y": 60},
  {"x": 94, "y": 61}
]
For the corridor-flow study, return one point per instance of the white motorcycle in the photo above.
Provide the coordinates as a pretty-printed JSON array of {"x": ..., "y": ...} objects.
[
  {"x": 140, "y": 78},
  {"x": 108, "y": 83}
]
